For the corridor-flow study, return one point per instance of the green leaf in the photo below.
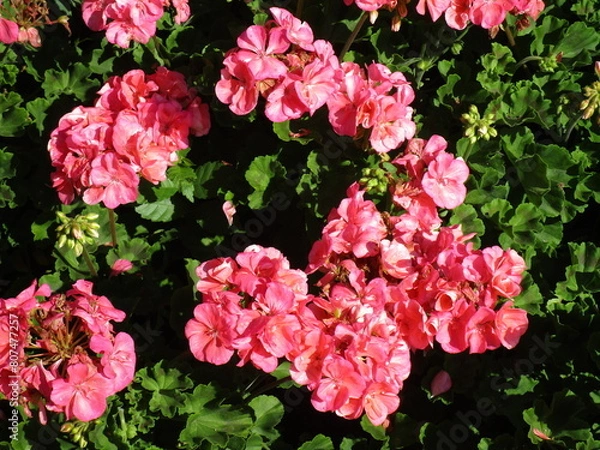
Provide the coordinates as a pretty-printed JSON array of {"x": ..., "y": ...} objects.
[
  {"x": 215, "y": 425},
  {"x": 37, "y": 108},
  {"x": 530, "y": 298},
  {"x": 8, "y": 74},
  {"x": 160, "y": 211},
  {"x": 166, "y": 387},
  {"x": 204, "y": 174},
  {"x": 577, "y": 38},
  {"x": 194, "y": 402},
  {"x": 76, "y": 81},
  {"x": 526, "y": 219},
  {"x": 13, "y": 118},
  {"x": 319, "y": 442},
  {"x": 6, "y": 169},
  {"x": 378, "y": 432},
  {"x": 184, "y": 179},
  {"x": 133, "y": 250},
  {"x": 259, "y": 175},
  {"x": 268, "y": 411},
  {"x": 283, "y": 132},
  {"x": 40, "y": 230},
  {"x": 467, "y": 217}
]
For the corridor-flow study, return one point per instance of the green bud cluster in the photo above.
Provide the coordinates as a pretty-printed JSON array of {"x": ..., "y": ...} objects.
[
  {"x": 77, "y": 231},
  {"x": 549, "y": 64},
  {"x": 592, "y": 100},
  {"x": 77, "y": 431},
  {"x": 375, "y": 180},
  {"x": 478, "y": 127}
]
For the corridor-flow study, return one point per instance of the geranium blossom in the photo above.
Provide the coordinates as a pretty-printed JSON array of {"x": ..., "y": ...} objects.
[
  {"x": 71, "y": 361},
  {"x": 135, "y": 130}
]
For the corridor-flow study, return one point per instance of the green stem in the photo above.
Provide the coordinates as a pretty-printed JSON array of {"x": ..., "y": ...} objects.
[
  {"x": 112, "y": 226},
  {"x": 88, "y": 261},
  {"x": 571, "y": 128},
  {"x": 269, "y": 386},
  {"x": 509, "y": 36},
  {"x": 299, "y": 8},
  {"x": 526, "y": 60},
  {"x": 352, "y": 36},
  {"x": 467, "y": 153}
]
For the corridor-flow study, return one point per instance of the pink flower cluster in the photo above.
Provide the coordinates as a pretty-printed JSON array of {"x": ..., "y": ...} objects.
[
  {"x": 296, "y": 75},
  {"x": 135, "y": 129},
  {"x": 130, "y": 20},
  {"x": 459, "y": 13},
  {"x": 60, "y": 353},
  {"x": 391, "y": 284}
]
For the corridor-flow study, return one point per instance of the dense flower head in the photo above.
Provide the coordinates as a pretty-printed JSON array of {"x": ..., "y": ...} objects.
[
  {"x": 295, "y": 74},
  {"x": 63, "y": 352},
  {"x": 459, "y": 13},
  {"x": 390, "y": 284},
  {"x": 130, "y": 20},
  {"x": 135, "y": 129}
]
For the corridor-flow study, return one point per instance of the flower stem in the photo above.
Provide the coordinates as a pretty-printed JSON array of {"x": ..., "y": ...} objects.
[
  {"x": 353, "y": 35},
  {"x": 88, "y": 261},
  {"x": 467, "y": 153},
  {"x": 269, "y": 386},
  {"x": 571, "y": 128},
  {"x": 299, "y": 8},
  {"x": 526, "y": 60},
  {"x": 509, "y": 36},
  {"x": 112, "y": 226}
]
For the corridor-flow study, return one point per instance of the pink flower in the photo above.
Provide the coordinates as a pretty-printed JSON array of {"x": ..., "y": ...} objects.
[
  {"x": 393, "y": 125},
  {"x": 229, "y": 211},
  {"x": 94, "y": 14},
  {"x": 215, "y": 275},
  {"x": 283, "y": 102},
  {"x": 395, "y": 259},
  {"x": 30, "y": 35},
  {"x": 296, "y": 31},
  {"x": 237, "y": 86},
  {"x": 9, "y": 31},
  {"x": 83, "y": 395},
  {"x": 118, "y": 359},
  {"x": 511, "y": 324},
  {"x": 257, "y": 48},
  {"x": 434, "y": 7},
  {"x": 506, "y": 269},
  {"x": 96, "y": 311},
  {"x": 444, "y": 180},
  {"x": 120, "y": 266},
  {"x": 339, "y": 383},
  {"x": 457, "y": 15},
  {"x": 210, "y": 334},
  {"x": 440, "y": 383},
  {"x": 114, "y": 182},
  {"x": 489, "y": 13},
  {"x": 183, "y": 10},
  {"x": 199, "y": 117},
  {"x": 316, "y": 85},
  {"x": 380, "y": 400},
  {"x": 481, "y": 331}
]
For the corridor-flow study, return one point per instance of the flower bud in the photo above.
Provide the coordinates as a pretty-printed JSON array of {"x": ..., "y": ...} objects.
[{"x": 441, "y": 383}]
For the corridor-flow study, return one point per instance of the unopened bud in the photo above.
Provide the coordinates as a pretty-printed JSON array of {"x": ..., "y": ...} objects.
[{"x": 373, "y": 16}]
